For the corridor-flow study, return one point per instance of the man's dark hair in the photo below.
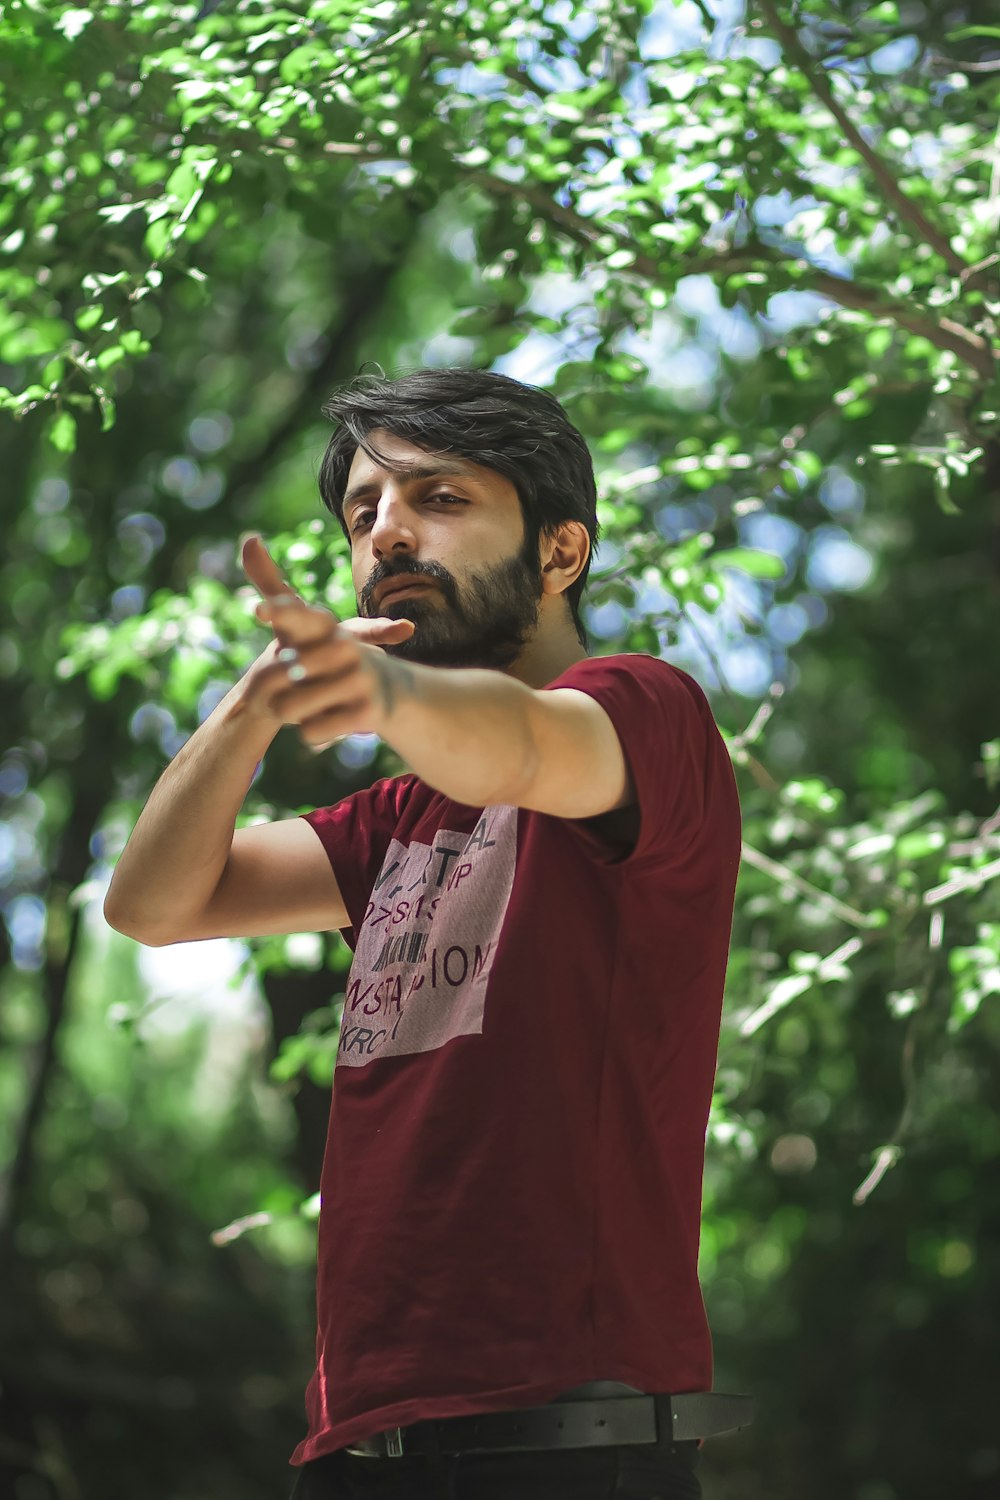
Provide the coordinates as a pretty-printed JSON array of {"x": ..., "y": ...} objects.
[{"x": 519, "y": 430}]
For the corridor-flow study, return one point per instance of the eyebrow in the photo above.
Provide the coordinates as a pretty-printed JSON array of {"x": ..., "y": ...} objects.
[{"x": 456, "y": 469}]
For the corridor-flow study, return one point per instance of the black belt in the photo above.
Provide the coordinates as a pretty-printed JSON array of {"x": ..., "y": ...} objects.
[{"x": 567, "y": 1424}]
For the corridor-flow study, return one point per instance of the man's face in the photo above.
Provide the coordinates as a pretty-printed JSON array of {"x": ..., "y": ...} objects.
[{"x": 460, "y": 536}]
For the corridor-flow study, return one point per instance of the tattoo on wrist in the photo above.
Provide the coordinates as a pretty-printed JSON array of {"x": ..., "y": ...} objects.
[{"x": 396, "y": 680}]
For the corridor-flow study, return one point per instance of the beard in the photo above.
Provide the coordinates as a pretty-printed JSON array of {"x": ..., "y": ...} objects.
[{"x": 485, "y": 624}]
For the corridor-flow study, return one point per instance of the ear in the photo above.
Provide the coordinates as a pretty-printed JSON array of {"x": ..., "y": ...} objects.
[{"x": 563, "y": 554}]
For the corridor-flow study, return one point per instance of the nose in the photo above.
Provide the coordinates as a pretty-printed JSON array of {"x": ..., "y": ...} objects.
[{"x": 392, "y": 528}]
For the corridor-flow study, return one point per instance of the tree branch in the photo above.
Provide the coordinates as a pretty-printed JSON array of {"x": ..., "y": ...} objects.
[
  {"x": 706, "y": 15},
  {"x": 93, "y": 792},
  {"x": 886, "y": 1157},
  {"x": 944, "y": 333},
  {"x": 893, "y": 193},
  {"x": 362, "y": 302},
  {"x": 783, "y": 874},
  {"x": 957, "y": 65}
]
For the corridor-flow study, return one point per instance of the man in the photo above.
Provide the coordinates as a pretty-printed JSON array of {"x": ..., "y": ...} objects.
[{"x": 540, "y": 913}]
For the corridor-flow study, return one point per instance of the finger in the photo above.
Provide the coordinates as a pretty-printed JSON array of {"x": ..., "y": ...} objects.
[
  {"x": 288, "y": 697},
  {"x": 379, "y": 630},
  {"x": 318, "y": 659},
  {"x": 287, "y": 624},
  {"x": 375, "y": 632},
  {"x": 303, "y": 700},
  {"x": 320, "y": 731},
  {"x": 268, "y": 610},
  {"x": 261, "y": 568},
  {"x": 299, "y": 623}
]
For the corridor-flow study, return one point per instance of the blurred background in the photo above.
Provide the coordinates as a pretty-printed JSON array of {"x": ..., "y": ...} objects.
[{"x": 753, "y": 251}]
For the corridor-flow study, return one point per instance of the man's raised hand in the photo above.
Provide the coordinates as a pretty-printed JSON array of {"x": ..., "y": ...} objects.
[
  {"x": 318, "y": 673},
  {"x": 265, "y": 575}
]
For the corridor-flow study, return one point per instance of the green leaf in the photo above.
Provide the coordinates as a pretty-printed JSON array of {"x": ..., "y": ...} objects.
[
  {"x": 62, "y": 433},
  {"x": 750, "y": 560},
  {"x": 88, "y": 317},
  {"x": 133, "y": 342},
  {"x": 942, "y": 490},
  {"x": 110, "y": 357},
  {"x": 920, "y": 843},
  {"x": 157, "y": 237},
  {"x": 964, "y": 32},
  {"x": 299, "y": 62},
  {"x": 878, "y": 342}
]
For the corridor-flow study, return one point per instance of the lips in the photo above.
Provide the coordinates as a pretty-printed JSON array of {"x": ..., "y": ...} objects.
[{"x": 397, "y": 585}]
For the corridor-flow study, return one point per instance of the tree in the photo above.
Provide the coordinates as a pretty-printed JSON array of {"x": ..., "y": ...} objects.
[{"x": 761, "y": 257}]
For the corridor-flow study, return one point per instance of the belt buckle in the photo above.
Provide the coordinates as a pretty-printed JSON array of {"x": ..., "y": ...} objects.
[{"x": 386, "y": 1444}]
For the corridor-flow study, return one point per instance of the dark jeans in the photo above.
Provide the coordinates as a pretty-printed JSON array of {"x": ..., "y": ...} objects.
[{"x": 639, "y": 1472}]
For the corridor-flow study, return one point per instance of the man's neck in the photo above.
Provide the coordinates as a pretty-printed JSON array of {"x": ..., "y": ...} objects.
[{"x": 546, "y": 657}]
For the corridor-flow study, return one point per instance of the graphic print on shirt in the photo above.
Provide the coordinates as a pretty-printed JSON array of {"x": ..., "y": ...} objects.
[{"x": 428, "y": 940}]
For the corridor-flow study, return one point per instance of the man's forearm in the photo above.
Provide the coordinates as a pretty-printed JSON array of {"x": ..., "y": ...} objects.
[
  {"x": 177, "y": 851},
  {"x": 465, "y": 731}
]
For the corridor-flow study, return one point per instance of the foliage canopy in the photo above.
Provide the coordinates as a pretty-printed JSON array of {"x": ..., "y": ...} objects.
[{"x": 756, "y": 259}]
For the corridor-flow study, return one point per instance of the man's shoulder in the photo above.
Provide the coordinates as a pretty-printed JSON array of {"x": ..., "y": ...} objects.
[{"x": 640, "y": 664}]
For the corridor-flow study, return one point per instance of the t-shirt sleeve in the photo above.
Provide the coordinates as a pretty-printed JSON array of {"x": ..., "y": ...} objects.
[
  {"x": 356, "y": 833},
  {"x": 670, "y": 741}
]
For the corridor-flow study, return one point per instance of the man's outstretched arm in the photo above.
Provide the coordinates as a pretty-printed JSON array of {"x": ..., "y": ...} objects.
[
  {"x": 462, "y": 730},
  {"x": 480, "y": 737},
  {"x": 177, "y": 879},
  {"x": 186, "y": 873}
]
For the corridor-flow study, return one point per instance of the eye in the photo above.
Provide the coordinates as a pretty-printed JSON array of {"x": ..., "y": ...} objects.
[{"x": 360, "y": 518}]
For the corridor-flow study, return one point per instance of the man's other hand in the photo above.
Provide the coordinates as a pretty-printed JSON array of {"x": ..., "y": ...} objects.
[
  {"x": 266, "y": 577},
  {"x": 318, "y": 675}
]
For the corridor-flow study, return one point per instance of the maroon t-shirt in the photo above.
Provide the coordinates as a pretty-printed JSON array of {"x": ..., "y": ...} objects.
[{"x": 511, "y": 1192}]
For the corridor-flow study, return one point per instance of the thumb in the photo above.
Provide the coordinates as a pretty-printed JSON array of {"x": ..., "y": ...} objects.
[{"x": 380, "y": 631}]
